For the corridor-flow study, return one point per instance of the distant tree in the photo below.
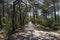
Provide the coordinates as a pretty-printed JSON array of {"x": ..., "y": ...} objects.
[
  {"x": 0, "y": 19},
  {"x": 54, "y": 9}
]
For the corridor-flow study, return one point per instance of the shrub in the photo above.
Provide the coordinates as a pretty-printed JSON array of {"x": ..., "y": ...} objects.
[
  {"x": 56, "y": 26},
  {"x": 47, "y": 23},
  {"x": 39, "y": 21},
  {"x": 7, "y": 24}
]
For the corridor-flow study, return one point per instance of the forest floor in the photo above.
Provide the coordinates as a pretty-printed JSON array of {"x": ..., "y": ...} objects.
[{"x": 31, "y": 33}]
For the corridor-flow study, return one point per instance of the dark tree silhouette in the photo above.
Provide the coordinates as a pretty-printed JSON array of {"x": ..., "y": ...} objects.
[
  {"x": 54, "y": 9},
  {"x": 1, "y": 2},
  {"x": 0, "y": 20},
  {"x": 13, "y": 21}
]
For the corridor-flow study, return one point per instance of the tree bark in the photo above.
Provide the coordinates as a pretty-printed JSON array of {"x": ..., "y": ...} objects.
[
  {"x": 54, "y": 9},
  {"x": 13, "y": 23},
  {"x": 0, "y": 21}
]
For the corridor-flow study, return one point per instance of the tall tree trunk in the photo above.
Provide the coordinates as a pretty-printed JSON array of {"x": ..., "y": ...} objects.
[
  {"x": 13, "y": 23},
  {"x": 20, "y": 13},
  {"x": 3, "y": 11},
  {"x": 54, "y": 10},
  {"x": 33, "y": 15},
  {"x": 36, "y": 12},
  {"x": 44, "y": 13},
  {"x": 58, "y": 3},
  {"x": 0, "y": 21}
]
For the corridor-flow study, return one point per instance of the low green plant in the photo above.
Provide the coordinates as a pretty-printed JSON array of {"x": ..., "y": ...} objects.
[
  {"x": 47, "y": 22},
  {"x": 7, "y": 24}
]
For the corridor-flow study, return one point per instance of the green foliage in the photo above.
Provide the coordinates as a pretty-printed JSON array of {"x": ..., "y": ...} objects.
[
  {"x": 6, "y": 28},
  {"x": 44, "y": 22},
  {"x": 38, "y": 21},
  {"x": 53, "y": 26},
  {"x": 26, "y": 20},
  {"x": 47, "y": 22},
  {"x": 7, "y": 24},
  {"x": 56, "y": 26}
]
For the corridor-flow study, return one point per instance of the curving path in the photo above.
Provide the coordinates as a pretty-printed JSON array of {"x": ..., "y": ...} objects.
[{"x": 31, "y": 33}]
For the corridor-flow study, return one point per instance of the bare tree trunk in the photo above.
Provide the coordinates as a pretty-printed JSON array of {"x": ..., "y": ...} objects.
[
  {"x": 13, "y": 23},
  {"x": 20, "y": 14},
  {"x": 58, "y": 10},
  {"x": 0, "y": 21},
  {"x": 33, "y": 15},
  {"x": 54, "y": 9}
]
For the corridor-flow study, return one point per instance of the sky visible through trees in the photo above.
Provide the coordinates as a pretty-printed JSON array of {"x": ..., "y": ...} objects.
[{"x": 39, "y": 11}]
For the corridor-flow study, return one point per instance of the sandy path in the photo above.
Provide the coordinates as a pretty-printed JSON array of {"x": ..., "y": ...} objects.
[{"x": 32, "y": 34}]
